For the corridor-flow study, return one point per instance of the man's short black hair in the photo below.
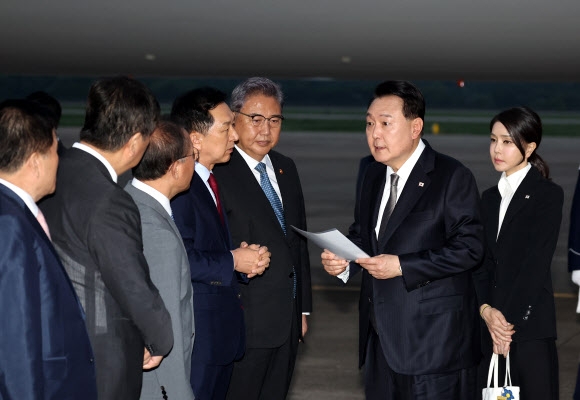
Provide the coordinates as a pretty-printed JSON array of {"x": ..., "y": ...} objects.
[
  {"x": 413, "y": 100},
  {"x": 50, "y": 103},
  {"x": 192, "y": 109},
  {"x": 25, "y": 128},
  {"x": 117, "y": 109}
]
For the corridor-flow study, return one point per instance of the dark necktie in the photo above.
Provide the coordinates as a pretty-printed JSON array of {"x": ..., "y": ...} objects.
[
  {"x": 390, "y": 206},
  {"x": 277, "y": 206},
  {"x": 214, "y": 188}
]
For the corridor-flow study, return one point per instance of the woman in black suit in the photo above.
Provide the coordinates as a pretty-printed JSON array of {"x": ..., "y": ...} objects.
[{"x": 521, "y": 216}]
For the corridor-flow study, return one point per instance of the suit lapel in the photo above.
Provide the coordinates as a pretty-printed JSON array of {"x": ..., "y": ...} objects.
[
  {"x": 153, "y": 204},
  {"x": 416, "y": 186},
  {"x": 254, "y": 190},
  {"x": 202, "y": 192},
  {"x": 521, "y": 198},
  {"x": 493, "y": 212},
  {"x": 377, "y": 191},
  {"x": 286, "y": 190}
]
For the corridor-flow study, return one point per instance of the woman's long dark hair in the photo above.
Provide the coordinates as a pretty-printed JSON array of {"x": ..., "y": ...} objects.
[{"x": 524, "y": 126}]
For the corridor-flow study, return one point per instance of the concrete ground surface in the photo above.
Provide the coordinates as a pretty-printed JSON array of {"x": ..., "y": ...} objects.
[{"x": 328, "y": 164}]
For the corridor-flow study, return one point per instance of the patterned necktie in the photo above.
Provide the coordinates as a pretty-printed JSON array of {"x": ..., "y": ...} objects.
[
  {"x": 42, "y": 222},
  {"x": 390, "y": 206},
  {"x": 271, "y": 195},
  {"x": 214, "y": 188},
  {"x": 277, "y": 206}
]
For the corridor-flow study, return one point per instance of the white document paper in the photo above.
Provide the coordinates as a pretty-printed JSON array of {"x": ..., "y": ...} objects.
[{"x": 335, "y": 242}]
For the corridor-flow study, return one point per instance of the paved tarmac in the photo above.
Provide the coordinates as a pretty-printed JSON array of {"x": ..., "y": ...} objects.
[{"x": 328, "y": 165}]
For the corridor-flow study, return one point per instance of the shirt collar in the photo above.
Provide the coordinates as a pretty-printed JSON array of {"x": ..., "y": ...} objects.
[
  {"x": 405, "y": 171},
  {"x": 252, "y": 163},
  {"x": 514, "y": 180},
  {"x": 99, "y": 157},
  {"x": 26, "y": 198},
  {"x": 202, "y": 171},
  {"x": 156, "y": 194}
]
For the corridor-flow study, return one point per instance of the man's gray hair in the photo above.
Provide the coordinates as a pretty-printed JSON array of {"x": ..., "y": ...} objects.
[{"x": 252, "y": 86}]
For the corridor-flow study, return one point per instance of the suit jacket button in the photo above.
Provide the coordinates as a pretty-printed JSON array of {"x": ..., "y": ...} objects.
[
  {"x": 91, "y": 360},
  {"x": 370, "y": 300},
  {"x": 239, "y": 295}
]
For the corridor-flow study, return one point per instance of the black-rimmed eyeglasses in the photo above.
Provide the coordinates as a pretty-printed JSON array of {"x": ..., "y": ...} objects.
[{"x": 275, "y": 121}]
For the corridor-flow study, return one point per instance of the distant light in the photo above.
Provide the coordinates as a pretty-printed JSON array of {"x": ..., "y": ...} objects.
[
  {"x": 345, "y": 59},
  {"x": 150, "y": 57},
  {"x": 461, "y": 83}
]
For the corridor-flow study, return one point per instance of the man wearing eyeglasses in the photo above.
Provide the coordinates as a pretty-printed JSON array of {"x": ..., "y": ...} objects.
[
  {"x": 215, "y": 268},
  {"x": 165, "y": 170},
  {"x": 262, "y": 197}
]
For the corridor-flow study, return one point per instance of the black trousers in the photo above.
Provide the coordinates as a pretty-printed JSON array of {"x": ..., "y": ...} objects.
[
  {"x": 265, "y": 373},
  {"x": 533, "y": 367},
  {"x": 382, "y": 383}
]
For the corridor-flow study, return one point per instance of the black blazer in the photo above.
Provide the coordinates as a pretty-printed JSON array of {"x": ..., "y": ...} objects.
[
  {"x": 96, "y": 229},
  {"x": 267, "y": 298},
  {"x": 515, "y": 277},
  {"x": 426, "y": 319}
]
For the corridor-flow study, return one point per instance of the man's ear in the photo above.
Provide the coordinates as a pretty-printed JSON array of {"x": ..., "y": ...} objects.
[
  {"x": 175, "y": 169},
  {"x": 133, "y": 145},
  {"x": 33, "y": 163},
  {"x": 417, "y": 127},
  {"x": 196, "y": 139}
]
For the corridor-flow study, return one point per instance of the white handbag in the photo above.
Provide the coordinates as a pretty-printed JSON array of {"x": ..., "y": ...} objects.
[{"x": 507, "y": 391}]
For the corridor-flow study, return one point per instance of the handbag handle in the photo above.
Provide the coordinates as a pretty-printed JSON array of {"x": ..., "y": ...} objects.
[
  {"x": 493, "y": 370},
  {"x": 508, "y": 375}
]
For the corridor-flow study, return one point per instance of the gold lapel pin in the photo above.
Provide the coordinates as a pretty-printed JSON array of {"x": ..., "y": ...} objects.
[{"x": 280, "y": 170}]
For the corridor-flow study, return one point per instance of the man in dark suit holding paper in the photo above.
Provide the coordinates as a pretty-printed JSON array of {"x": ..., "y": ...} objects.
[{"x": 419, "y": 221}]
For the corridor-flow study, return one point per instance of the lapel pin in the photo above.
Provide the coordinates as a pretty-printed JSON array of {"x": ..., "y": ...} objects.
[
  {"x": 280, "y": 170},
  {"x": 527, "y": 196},
  {"x": 421, "y": 184}
]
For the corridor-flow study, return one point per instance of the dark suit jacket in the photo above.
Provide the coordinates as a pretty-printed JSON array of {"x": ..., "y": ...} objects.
[
  {"x": 45, "y": 351},
  {"x": 267, "y": 298},
  {"x": 219, "y": 320},
  {"x": 426, "y": 319},
  {"x": 574, "y": 235},
  {"x": 515, "y": 277},
  {"x": 96, "y": 229}
]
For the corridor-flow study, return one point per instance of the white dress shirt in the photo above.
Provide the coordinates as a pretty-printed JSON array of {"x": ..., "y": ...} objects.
[
  {"x": 507, "y": 186},
  {"x": 204, "y": 174},
  {"x": 99, "y": 157},
  {"x": 26, "y": 198},
  {"x": 269, "y": 169},
  {"x": 156, "y": 194},
  {"x": 404, "y": 172}
]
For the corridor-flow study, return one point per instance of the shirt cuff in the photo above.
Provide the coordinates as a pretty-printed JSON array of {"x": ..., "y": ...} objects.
[{"x": 344, "y": 275}]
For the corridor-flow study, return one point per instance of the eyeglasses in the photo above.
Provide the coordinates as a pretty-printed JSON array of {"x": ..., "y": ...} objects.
[
  {"x": 275, "y": 121},
  {"x": 195, "y": 155}
]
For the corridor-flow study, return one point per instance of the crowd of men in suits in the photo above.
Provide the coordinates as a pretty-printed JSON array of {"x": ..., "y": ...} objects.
[
  {"x": 189, "y": 282},
  {"x": 160, "y": 289}
]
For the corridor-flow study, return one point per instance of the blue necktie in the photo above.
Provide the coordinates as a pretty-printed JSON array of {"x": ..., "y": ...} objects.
[
  {"x": 276, "y": 205},
  {"x": 271, "y": 194}
]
